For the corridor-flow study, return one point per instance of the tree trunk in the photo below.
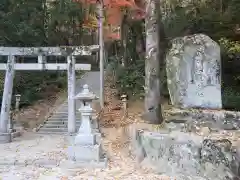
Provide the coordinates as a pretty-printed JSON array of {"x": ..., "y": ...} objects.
[
  {"x": 152, "y": 63},
  {"x": 124, "y": 36}
]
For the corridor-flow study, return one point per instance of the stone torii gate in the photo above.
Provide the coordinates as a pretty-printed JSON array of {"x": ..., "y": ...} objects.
[{"x": 70, "y": 52}]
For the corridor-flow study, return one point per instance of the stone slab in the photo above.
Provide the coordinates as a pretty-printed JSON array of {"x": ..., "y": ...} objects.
[
  {"x": 73, "y": 165},
  {"x": 85, "y": 139},
  {"x": 42, "y": 162},
  {"x": 188, "y": 154},
  {"x": 215, "y": 120},
  {"x": 194, "y": 72},
  {"x": 84, "y": 153},
  {"x": 5, "y": 138}
]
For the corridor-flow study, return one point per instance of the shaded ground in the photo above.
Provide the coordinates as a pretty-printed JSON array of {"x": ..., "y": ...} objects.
[{"x": 34, "y": 115}]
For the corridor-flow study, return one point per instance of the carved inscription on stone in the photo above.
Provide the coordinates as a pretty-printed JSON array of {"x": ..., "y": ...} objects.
[{"x": 194, "y": 72}]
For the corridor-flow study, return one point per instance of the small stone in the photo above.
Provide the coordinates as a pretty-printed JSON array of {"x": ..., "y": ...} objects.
[{"x": 205, "y": 131}]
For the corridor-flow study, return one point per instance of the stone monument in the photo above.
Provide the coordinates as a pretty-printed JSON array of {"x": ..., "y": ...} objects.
[
  {"x": 194, "y": 72},
  {"x": 86, "y": 148}
]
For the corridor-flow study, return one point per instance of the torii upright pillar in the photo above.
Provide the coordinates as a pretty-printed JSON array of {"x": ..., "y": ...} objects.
[
  {"x": 5, "y": 135},
  {"x": 71, "y": 95}
]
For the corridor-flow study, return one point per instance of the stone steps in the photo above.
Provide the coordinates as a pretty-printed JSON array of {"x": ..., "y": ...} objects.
[
  {"x": 49, "y": 130},
  {"x": 61, "y": 118},
  {"x": 63, "y": 115},
  {"x": 59, "y": 122},
  {"x": 59, "y": 125}
]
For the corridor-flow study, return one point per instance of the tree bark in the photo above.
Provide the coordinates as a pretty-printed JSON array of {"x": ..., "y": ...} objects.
[
  {"x": 152, "y": 63},
  {"x": 124, "y": 36}
]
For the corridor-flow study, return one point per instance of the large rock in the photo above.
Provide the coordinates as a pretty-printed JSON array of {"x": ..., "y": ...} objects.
[
  {"x": 193, "y": 72},
  {"x": 186, "y": 154}
]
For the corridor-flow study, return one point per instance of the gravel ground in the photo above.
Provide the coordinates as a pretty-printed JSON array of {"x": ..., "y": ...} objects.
[
  {"x": 49, "y": 150},
  {"x": 39, "y": 157}
]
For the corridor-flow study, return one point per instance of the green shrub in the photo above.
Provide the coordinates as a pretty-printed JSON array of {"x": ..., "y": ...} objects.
[
  {"x": 130, "y": 79},
  {"x": 32, "y": 85},
  {"x": 231, "y": 98}
]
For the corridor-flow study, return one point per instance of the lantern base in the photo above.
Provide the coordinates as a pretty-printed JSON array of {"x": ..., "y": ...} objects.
[
  {"x": 84, "y": 153},
  {"x": 73, "y": 165},
  {"x": 87, "y": 155},
  {"x": 85, "y": 139}
]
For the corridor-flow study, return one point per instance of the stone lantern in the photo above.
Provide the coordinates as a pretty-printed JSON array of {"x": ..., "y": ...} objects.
[
  {"x": 86, "y": 148},
  {"x": 86, "y": 97},
  {"x": 18, "y": 98}
]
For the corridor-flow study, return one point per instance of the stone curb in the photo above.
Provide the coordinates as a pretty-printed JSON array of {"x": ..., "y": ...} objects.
[
  {"x": 29, "y": 162},
  {"x": 218, "y": 113},
  {"x": 72, "y": 165}
]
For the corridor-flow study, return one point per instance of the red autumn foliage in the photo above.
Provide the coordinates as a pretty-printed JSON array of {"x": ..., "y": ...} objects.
[{"x": 114, "y": 13}]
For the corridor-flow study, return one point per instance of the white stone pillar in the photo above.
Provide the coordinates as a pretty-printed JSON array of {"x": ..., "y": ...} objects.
[
  {"x": 6, "y": 100},
  {"x": 71, "y": 95},
  {"x": 42, "y": 61}
]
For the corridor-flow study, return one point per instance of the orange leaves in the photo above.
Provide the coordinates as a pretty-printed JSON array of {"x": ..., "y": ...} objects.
[
  {"x": 112, "y": 33},
  {"x": 115, "y": 33},
  {"x": 91, "y": 22},
  {"x": 114, "y": 36},
  {"x": 89, "y": 26},
  {"x": 114, "y": 14},
  {"x": 124, "y": 3}
]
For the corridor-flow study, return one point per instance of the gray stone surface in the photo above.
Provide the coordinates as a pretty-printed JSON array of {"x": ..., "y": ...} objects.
[
  {"x": 193, "y": 72},
  {"x": 85, "y": 153},
  {"x": 187, "y": 154},
  {"x": 5, "y": 138},
  {"x": 220, "y": 152},
  {"x": 85, "y": 139},
  {"x": 218, "y": 120},
  {"x": 75, "y": 165}
]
